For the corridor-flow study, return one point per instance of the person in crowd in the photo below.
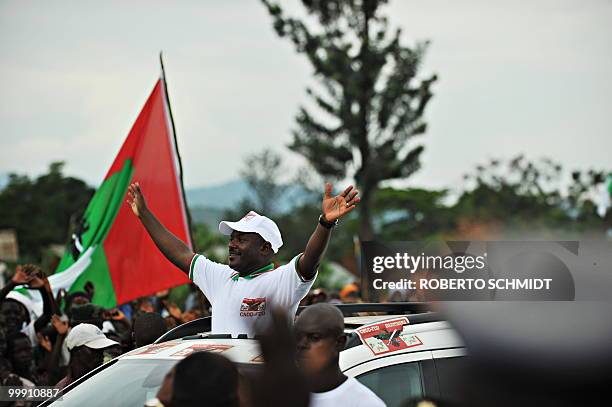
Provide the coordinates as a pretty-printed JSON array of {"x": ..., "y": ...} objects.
[
  {"x": 15, "y": 315},
  {"x": 397, "y": 296},
  {"x": 186, "y": 386},
  {"x": 350, "y": 293},
  {"x": 198, "y": 301},
  {"x": 159, "y": 299},
  {"x": 164, "y": 393},
  {"x": 86, "y": 344},
  {"x": 147, "y": 328},
  {"x": 116, "y": 326},
  {"x": 182, "y": 317},
  {"x": 192, "y": 314},
  {"x": 75, "y": 299},
  {"x": 19, "y": 351},
  {"x": 319, "y": 295},
  {"x": 57, "y": 355},
  {"x": 144, "y": 304},
  {"x": 2, "y": 338},
  {"x": 334, "y": 298},
  {"x": 319, "y": 332},
  {"x": 6, "y": 370},
  {"x": 170, "y": 322},
  {"x": 174, "y": 312},
  {"x": 280, "y": 383},
  {"x": 241, "y": 291},
  {"x": 43, "y": 352},
  {"x": 86, "y": 314}
]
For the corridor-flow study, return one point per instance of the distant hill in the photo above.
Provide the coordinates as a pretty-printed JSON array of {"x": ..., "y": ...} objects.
[
  {"x": 207, "y": 204},
  {"x": 207, "y": 215},
  {"x": 223, "y": 196}
]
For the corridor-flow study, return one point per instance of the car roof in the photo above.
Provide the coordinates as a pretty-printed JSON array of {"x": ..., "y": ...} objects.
[
  {"x": 433, "y": 335},
  {"x": 237, "y": 350},
  {"x": 427, "y": 330}
]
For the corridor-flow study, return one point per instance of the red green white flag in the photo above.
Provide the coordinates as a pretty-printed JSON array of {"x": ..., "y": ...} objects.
[{"x": 111, "y": 248}]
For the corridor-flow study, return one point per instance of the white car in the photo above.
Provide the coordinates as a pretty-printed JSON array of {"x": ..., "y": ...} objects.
[{"x": 416, "y": 359}]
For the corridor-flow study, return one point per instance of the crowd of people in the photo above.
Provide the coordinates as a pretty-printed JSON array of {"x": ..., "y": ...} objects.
[{"x": 74, "y": 336}]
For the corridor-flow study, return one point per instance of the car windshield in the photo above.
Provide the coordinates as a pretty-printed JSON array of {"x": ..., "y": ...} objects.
[{"x": 127, "y": 383}]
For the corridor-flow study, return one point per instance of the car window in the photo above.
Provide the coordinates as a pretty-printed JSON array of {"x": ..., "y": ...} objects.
[
  {"x": 127, "y": 383},
  {"x": 394, "y": 384},
  {"x": 451, "y": 375}
]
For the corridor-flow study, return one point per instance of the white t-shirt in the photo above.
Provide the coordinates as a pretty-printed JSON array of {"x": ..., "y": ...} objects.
[
  {"x": 239, "y": 303},
  {"x": 351, "y": 393},
  {"x": 30, "y": 332}
]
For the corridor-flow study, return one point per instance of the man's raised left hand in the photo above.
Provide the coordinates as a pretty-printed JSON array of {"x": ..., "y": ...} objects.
[{"x": 335, "y": 207}]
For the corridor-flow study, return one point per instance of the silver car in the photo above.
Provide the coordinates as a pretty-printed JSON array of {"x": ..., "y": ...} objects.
[{"x": 417, "y": 357}]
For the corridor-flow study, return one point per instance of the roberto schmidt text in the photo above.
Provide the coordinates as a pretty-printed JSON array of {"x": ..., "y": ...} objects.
[{"x": 464, "y": 284}]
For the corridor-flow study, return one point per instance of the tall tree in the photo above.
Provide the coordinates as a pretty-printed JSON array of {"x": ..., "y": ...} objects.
[
  {"x": 370, "y": 96},
  {"x": 263, "y": 171}
]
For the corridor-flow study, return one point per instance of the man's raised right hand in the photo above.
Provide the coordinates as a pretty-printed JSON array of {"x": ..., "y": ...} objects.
[
  {"x": 173, "y": 248},
  {"x": 136, "y": 199}
]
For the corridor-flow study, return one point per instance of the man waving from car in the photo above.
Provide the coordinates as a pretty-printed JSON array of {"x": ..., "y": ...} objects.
[{"x": 242, "y": 291}]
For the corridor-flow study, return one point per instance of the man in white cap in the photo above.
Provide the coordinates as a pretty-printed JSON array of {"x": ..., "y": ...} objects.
[
  {"x": 86, "y": 343},
  {"x": 242, "y": 291}
]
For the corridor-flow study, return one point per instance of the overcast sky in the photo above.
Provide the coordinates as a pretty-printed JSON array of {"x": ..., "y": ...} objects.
[{"x": 514, "y": 77}]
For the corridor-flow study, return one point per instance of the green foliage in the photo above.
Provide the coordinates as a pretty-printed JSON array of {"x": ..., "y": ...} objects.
[
  {"x": 502, "y": 200},
  {"x": 583, "y": 185},
  {"x": 326, "y": 278},
  {"x": 412, "y": 214},
  {"x": 178, "y": 295},
  {"x": 521, "y": 189},
  {"x": 527, "y": 196},
  {"x": 370, "y": 103},
  {"x": 41, "y": 209},
  {"x": 210, "y": 243}
]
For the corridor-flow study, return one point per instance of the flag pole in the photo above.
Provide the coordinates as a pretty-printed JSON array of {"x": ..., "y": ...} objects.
[{"x": 178, "y": 155}]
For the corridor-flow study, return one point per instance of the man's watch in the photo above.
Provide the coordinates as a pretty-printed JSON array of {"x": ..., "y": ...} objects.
[{"x": 326, "y": 224}]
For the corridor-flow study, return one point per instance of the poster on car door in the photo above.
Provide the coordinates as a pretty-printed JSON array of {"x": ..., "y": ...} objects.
[{"x": 387, "y": 336}]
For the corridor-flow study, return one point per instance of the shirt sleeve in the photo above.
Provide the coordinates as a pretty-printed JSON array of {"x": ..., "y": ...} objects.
[
  {"x": 208, "y": 275},
  {"x": 291, "y": 287}
]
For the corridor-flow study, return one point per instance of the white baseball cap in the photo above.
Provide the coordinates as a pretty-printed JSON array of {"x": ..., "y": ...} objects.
[
  {"x": 88, "y": 335},
  {"x": 255, "y": 223}
]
